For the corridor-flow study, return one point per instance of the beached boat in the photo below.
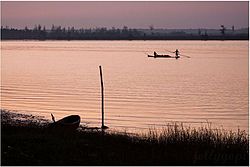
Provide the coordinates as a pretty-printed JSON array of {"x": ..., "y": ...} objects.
[{"x": 71, "y": 122}]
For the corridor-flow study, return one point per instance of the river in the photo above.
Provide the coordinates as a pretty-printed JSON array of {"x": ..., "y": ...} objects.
[{"x": 62, "y": 77}]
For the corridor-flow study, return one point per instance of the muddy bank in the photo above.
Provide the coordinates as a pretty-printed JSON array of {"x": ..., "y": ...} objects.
[{"x": 16, "y": 119}]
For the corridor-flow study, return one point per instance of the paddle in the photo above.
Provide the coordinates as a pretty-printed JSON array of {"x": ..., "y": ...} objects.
[
  {"x": 185, "y": 56},
  {"x": 179, "y": 54}
]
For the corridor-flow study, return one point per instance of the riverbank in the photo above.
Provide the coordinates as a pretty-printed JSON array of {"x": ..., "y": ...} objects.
[{"x": 27, "y": 140}]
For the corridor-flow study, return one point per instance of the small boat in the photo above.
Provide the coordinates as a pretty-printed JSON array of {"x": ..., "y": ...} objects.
[
  {"x": 71, "y": 122},
  {"x": 163, "y": 56}
]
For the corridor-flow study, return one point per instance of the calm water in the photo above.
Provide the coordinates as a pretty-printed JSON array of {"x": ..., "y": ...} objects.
[{"x": 62, "y": 77}]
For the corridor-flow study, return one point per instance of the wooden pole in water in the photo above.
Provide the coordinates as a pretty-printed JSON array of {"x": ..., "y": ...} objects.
[{"x": 102, "y": 92}]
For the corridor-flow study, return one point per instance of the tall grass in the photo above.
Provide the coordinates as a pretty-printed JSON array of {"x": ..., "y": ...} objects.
[
  {"x": 203, "y": 145},
  {"x": 177, "y": 133}
]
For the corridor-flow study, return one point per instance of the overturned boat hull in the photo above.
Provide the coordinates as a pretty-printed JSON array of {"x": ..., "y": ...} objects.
[{"x": 71, "y": 122}]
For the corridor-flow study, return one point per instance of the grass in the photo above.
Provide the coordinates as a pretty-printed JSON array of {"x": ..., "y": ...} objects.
[{"x": 175, "y": 144}]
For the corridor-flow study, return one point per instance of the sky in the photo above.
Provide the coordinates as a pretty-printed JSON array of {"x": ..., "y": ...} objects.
[{"x": 134, "y": 14}]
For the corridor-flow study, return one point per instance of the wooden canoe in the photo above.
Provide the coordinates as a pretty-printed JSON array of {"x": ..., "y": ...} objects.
[{"x": 163, "y": 56}]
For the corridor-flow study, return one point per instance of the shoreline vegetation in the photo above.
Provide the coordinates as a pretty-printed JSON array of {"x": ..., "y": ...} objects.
[
  {"x": 28, "y": 140},
  {"x": 125, "y": 33}
]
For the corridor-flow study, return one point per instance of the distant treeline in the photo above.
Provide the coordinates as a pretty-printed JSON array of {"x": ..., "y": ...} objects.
[{"x": 70, "y": 33}]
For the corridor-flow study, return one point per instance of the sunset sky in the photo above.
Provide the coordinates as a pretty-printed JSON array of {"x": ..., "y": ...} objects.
[{"x": 161, "y": 14}]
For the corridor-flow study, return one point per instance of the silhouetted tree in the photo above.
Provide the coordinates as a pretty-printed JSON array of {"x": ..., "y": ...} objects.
[
  {"x": 223, "y": 29},
  {"x": 151, "y": 27},
  {"x": 39, "y": 27}
]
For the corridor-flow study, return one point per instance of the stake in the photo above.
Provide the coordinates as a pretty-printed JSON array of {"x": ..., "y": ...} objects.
[{"x": 102, "y": 92}]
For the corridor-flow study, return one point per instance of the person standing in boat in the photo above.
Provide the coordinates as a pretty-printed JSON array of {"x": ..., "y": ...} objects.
[
  {"x": 155, "y": 54},
  {"x": 176, "y": 53}
]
